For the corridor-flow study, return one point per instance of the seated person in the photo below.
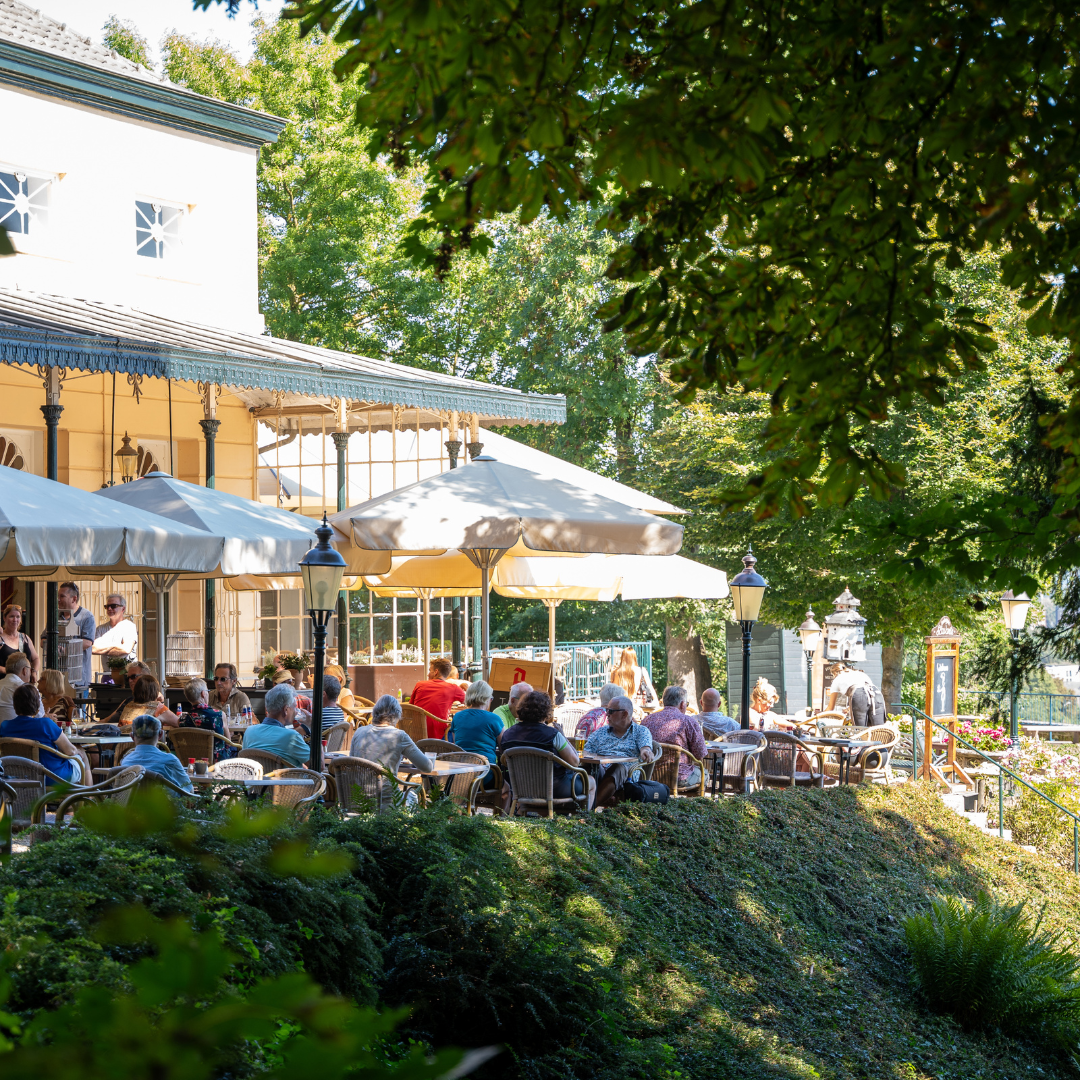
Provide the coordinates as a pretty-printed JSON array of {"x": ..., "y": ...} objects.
[
  {"x": 276, "y": 734},
  {"x": 227, "y": 694},
  {"x": 385, "y": 744},
  {"x": 508, "y": 713},
  {"x": 597, "y": 718},
  {"x": 145, "y": 734},
  {"x": 762, "y": 718},
  {"x": 534, "y": 728},
  {"x": 714, "y": 722},
  {"x": 56, "y": 696},
  {"x": 200, "y": 715},
  {"x": 18, "y": 674},
  {"x": 331, "y": 710},
  {"x": 620, "y": 738},
  {"x": 346, "y": 699},
  {"x": 672, "y": 725},
  {"x": 435, "y": 695},
  {"x": 29, "y": 723},
  {"x": 146, "y": 697},
  {"x": 134, "y": 671},
  {"x": 476, "y": 728}
]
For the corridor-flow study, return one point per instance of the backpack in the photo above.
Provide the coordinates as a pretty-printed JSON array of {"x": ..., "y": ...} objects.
[{"x": 646, "y": 791}]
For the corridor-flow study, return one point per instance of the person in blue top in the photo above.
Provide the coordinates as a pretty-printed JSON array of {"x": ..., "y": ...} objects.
[
  {"x": 145, "y": 732},
  {"x": 475, "y": 728},
  {"x": 26, "y": 724},
  {"x": 276, "y": 733}
]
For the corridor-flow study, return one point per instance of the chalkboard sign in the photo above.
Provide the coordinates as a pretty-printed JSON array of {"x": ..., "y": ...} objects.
[{"x": 943, "y": 702}]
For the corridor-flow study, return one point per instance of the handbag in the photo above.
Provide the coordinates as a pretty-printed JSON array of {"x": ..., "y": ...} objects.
[
  {"x": 102, "y": 730},
  {"x": 646, "y": 791}
]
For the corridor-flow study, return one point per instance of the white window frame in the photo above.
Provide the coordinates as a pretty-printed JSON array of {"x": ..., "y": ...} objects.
[
  {"x": 40, "y": 211},
  {"x": 168, "y": 245}
]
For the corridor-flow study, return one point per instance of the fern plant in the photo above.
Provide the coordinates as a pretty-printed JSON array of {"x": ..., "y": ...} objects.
[{"x": 992, "y": 966}]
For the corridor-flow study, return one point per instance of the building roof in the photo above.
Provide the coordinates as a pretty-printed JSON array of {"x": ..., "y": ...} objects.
[
  {"x": 266, "y": 372},
  {"x": 41, "y": 54}
]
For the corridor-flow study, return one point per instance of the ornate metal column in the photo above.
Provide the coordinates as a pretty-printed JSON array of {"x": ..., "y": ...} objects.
[
  {"x": 209, "y": 424},
  {"x": 51, "y": 410}
]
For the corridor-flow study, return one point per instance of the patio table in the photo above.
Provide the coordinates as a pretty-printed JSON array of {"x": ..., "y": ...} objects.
[
  {"x": 99, "y": 740},
  {"x": 718, "y": 752},
  {"x": 207, "y": 780},
  {"x": 443, "y": 772},
  {"x": 1068, "y": 732}
]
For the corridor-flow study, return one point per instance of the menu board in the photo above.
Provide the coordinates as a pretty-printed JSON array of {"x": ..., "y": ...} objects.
[{"x": 943, "y": 701}]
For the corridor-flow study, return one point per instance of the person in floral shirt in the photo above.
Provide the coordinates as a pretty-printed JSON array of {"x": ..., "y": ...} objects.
[
  {"x": 672, "y": 725},
  {"x": 200, "y": 715},
  {"x": 597, "y": 718}
]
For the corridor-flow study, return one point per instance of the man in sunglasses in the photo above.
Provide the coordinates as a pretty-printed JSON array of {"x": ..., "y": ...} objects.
[
  {"x": 225, "y": 694},
  {"x": 117, "y": 637},
  {"x": 620, "y": 738}
]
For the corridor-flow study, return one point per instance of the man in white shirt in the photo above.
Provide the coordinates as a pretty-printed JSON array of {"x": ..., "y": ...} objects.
[
  {"x": 854, "y": 690},
  {"x": 119, "y": 637},
  {"x": 18, "y": 673}
]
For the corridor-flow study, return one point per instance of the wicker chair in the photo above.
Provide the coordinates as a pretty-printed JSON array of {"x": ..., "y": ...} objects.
[
  {"x": 28, "y": 748},
  {"x": 438, "y": 746},
  {"x": 29, "y": 780},
  {"x": 237, "y": 768},
  {"x": 117, "y": 789},
  {"x": 197, "y": 743},
  {"x": 531, "y": 780},
  {"x": 869, "y": 764},
  {"x": 363, "y": 701},
  {"x": 414, "y": 721},
  {"x": 293, "y": 795},
  {"x": 363, "y": 786},
  {"x": 339, "y": 736},
  {"x": 740, "y": 771},
  {"x": 461, "y": 788},
  {"x": 568, "y": 715},
  {"x": 268, "y": 760},
  {"x": 666, "y": 770},
  {"x": 779, "y": 762},
  {"x": 359, "y": 719}
]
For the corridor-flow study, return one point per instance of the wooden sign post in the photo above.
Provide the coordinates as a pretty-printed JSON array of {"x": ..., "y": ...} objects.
[{"x": 942, "y": 688}]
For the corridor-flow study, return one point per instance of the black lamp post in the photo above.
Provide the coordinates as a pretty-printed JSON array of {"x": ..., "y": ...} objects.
[
  {"x": 747, "y": 590},
  {"x": 1014, "y": 609},
  {"x": 809, "y": 635},
  {"x": 321, "y": 569}
]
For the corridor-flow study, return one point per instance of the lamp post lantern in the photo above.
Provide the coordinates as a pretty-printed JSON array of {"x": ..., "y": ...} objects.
[
  {"x": 809, "y": 635},
  {"x": 747, "y": 589},
  {"x": 1014, "y": 609},
  {"x": 127, "y": 457},
  {"x": 321, "y": 569}
]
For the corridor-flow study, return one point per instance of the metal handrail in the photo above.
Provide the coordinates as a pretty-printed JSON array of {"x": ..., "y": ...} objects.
[{"x": 1002, "y": 769}]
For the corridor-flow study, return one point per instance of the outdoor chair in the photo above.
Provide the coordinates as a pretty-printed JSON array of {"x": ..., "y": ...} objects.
[
  {"x": 197, "y": 743},
  {"x": 438, "y": 746},
  {"x": 237, "y": 768},
  {"x": 363, "y": 701},
  {"x": 869, "y": 764},
  {"x": 359, "y": 719},
  {"x": 709, "y": 728},
  {"x": 29, "y": 780},
  {"x": 28, "y": 748},
  {"x": 414, "y": 721},
  {"x": 780, "y": 762},
  {"x": 666, "y": 770},
  {"x": 120, "y": 751},
  {"x": 461, "y": 788},
  {"x": 301, "y": 799},
  {"x": 117, "y": 789},
  {"x": 338, "y": 737},
  {"x": 363, "y": 786},
  {"x": 567, "y": 717},
  {"x": 152, "y": 779},
  {"x": 740, "y": 771},
  {"x": 531, "y": 781},
  {"x": 267, "y": 759}
]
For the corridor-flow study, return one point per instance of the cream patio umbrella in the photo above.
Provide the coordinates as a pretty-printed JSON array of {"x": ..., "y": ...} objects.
[
  {"x": 486, "y": 510},
  {"x": 51, "y": 531}
]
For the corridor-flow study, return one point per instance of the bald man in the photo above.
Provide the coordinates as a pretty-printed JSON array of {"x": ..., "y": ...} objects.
[{"x": 712, "y": 720}]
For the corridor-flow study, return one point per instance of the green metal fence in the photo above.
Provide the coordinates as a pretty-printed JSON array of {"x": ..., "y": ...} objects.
[
  {"x": 1037, "y": 708},
  {"x": 589, "y": 661}
]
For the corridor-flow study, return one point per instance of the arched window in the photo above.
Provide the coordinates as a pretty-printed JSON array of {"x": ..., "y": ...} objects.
[
  {"x": 146, "y": 463},
  {"x": 11, "y": 455}
]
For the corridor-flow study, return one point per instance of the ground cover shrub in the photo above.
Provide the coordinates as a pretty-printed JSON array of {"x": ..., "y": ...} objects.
[{"x": 992, "y": 966}]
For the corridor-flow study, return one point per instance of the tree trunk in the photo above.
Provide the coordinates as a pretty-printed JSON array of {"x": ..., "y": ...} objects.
[
  {"x": 687, "y": 664},
  {"x": 892, "y": 670}
]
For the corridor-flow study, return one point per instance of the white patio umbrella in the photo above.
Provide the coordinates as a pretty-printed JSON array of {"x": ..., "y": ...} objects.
[
  {"x": 53, "y": 531},
  {"x": 487, "y": 510}
]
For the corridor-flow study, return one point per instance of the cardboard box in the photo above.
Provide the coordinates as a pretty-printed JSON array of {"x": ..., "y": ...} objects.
[{"x": 506, "y": 671}]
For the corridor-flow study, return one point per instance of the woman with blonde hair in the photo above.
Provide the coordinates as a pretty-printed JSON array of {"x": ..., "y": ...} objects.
[
  {"x": 56, "y": 696},
  {"x": 762, "y": 718},
  {"x": 634, "y": 680},
  {"x": 346, "y": 699}
]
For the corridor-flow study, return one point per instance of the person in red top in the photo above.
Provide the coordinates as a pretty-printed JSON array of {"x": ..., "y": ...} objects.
[{"x": 435, "y": 695}]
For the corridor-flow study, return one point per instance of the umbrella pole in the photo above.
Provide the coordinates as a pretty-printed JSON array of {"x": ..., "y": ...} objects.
[
  {"x": 485, "y": 624},
  {"x": 427, "y": 633},
  {"x": 551, "y": 606}
]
